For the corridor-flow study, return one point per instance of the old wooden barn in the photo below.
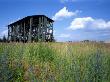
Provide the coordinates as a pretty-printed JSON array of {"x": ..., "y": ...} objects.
[{"x": 31, "y": 29}]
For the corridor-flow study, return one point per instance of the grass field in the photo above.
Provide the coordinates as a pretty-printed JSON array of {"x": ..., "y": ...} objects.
[{"x": 54, "y": 62}]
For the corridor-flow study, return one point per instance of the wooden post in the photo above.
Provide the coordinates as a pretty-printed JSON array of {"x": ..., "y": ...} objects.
[
  {"x": 39, "y": 28},
  {"x": 20, "y": 26},
  {"x": 24, "y": 37},
  {"x": 14, "y": 30},
  {"x": 42, "y": 39},
  {"x": 30, "y": 29},
  {"x": 52, "y": 32},
  {"x": 8, "y": 32},
  {"x": 20, "y": 33},
  {"x": 45, "y": 28}
]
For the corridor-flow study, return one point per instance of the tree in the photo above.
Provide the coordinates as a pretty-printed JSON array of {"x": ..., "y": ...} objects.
[
  {"x": 4, "y": 39},
  {"x": 0, "y": 40}
]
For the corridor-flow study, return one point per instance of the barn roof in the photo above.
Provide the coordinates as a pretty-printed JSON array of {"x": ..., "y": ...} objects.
[{"x": 25, "y": 18}]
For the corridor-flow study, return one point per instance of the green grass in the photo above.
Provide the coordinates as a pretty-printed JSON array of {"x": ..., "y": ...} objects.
[{"x": 54, "y": 62}]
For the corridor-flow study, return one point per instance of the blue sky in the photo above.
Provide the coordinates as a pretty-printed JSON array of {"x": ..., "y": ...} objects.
[{"x": 75, "y": 20}]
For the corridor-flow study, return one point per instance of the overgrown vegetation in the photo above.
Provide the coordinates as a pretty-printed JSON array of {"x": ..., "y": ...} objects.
[{"x": 54, "y": 62}]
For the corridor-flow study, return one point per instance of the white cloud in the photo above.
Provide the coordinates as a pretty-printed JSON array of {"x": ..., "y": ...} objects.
[
  {"x": 64, "y": 13},
  {"x": 64, "y": 35},
  {"x": 5, "y": 32},
  {"x": 89, "y": 23},
  {"x": 101, "y": 24}
]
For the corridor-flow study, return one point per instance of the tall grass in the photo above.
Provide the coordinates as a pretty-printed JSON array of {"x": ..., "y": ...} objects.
[{"x": 54, "y": 62}]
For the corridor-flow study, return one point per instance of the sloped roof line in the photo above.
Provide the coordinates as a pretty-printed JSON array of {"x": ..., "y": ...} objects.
[{"x": 30, "y": 17}]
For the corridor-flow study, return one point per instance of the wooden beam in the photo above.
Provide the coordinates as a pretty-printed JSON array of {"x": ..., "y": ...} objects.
[
  {"x": 8, "y": 32},
  {"x": 24, "y": 36},
  {"x": 14, "y": 33},
  {"x": 30, "y": 29},
  {"x": 39, "y": 28}
]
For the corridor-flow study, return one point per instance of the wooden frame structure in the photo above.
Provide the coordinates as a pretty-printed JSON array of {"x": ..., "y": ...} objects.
[{"x": 31, "y": 28}]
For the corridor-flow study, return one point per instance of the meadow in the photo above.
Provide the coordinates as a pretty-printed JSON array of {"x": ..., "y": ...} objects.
[{"x": 55, "y": 62}]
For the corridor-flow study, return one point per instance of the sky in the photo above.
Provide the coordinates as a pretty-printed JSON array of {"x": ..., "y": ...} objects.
[{"x": 75, "y": 20}]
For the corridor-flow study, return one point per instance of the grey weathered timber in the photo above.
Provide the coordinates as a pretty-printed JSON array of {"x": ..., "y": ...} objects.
[{"x": 31, "y": 29}]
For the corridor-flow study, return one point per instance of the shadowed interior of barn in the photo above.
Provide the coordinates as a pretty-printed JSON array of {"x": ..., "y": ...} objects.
[{"x": 31, "y": 29}]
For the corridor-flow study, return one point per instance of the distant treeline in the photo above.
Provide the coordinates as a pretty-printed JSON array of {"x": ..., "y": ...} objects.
[
  {"x": 93, "y": 41},
  {"x": 5, "y": 39}
]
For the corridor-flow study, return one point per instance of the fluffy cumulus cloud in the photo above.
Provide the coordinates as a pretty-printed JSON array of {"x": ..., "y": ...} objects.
[
  {"x": 89, "y": 23},
  {"x": 64, "y": 13}
]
